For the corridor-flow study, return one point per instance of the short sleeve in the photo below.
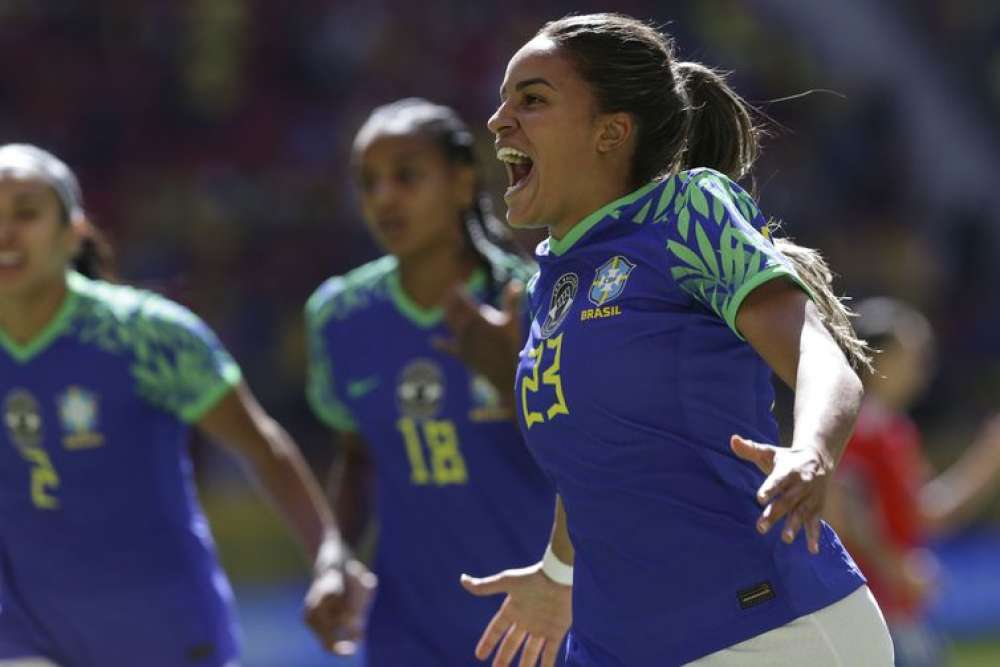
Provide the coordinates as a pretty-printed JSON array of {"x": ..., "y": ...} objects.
[
  {"x": 717, "y": 247},
  {"x": 320, "y": 390},
  {"x": 179, "y": 365}
]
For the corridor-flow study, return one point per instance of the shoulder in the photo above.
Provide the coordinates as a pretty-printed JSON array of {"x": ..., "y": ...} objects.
[
  {"x": 121, "y": 318},
  {"x": 129, "y": 307},
  {"x": 340, "y": 297}
]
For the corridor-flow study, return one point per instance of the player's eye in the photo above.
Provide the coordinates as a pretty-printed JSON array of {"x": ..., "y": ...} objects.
[
  {"x": 408, "y": 175},
  {"x": 26, "y": 213},
  {"x": 530, "y": 100}
]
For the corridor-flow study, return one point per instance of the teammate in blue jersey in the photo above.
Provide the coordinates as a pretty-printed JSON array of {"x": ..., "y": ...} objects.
[
  {"x": 105, "y": 557},
  {"x": 454, "y": 486},
  {"x": 660, "y": 311}
]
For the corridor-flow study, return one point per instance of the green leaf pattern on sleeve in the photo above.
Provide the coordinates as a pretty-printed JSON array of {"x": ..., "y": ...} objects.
[
  {"x": 718, "y": 255},
  {"x": 177, "y": 362}
]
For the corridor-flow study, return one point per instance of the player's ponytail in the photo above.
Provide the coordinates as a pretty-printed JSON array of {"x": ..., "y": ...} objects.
[
  {"x": 94, "y": 258},
  {"x": 686, "y": 116},
  {"x": 721, "y": 133}
]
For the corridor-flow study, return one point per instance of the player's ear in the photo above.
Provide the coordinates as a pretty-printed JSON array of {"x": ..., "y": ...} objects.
[{"x": 614, "y": 130}]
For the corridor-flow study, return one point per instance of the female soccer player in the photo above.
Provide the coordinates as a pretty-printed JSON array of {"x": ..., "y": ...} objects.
[
  {"x": 883, "y": 502},
  {"x": 660, "y": 312},
  {"x": 105, "y": 557},
  {"x": 455, "y": 487}
]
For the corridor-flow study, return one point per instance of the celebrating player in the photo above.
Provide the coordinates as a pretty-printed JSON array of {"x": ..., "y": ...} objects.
[
  {"x": 659, "y": 314},
  {"x": 455, "y": 487},
  {"x": 105, "y": 556}
]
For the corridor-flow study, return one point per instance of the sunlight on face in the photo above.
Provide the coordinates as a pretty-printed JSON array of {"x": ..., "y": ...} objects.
[
  {"x": 36, "y": 243},
  {"x": 412, "y": 198},
  {"x": 547, "y": 116}
]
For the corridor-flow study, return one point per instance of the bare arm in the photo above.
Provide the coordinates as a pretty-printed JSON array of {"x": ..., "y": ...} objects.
[
  {"x": 952, "y": 497},
  {"x": 350, "y": 486},
  {"x": 784, "y": 327},
  {"x": 239, "y": 423}
]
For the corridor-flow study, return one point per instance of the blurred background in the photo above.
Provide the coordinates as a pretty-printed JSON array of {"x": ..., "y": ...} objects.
[{"x": 212, "y": 140}]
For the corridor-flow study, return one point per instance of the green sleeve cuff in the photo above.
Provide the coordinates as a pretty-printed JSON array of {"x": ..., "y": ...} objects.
[
  {"x": 778, "y": 271},
  {"x": 229, "y": 378}
]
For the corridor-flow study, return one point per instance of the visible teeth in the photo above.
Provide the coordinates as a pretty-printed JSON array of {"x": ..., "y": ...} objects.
[
  {"x": 512, "y": 155},
  {"x": 9, "y": 258}
]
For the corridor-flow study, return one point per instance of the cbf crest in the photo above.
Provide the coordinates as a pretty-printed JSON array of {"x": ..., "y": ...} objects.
[
  {"x": 609, "y": 280},
  {"x": 560, "y": 303},
  {"x": 420, "y": 389},
  {"x": 78, "y": 413}
]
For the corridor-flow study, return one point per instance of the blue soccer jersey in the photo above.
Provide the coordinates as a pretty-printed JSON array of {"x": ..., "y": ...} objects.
[
  {"x": 456, "y": 489},
  {"x": 105, "y": 557},
  {"x": 630, "y": 385}
]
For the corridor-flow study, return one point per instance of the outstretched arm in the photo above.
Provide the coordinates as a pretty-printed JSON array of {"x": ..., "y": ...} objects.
[{"x": 785, "y": 328}]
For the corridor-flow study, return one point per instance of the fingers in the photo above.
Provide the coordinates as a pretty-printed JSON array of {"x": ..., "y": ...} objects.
[
  {"x": 493, "y": 633},
  {"x": 787, "y": 501},
  {"x": 510, "y": 301},
  {"x": 486, "y": 585},
  {"x": 760, "y": 455},
  {"x": 532, "y": 651},
  {"x": 508, "y": 649},
  {"x": 812, "y": 534},
  {"x": 550, "y": 654},
  {"x": 459, "y": 310}
]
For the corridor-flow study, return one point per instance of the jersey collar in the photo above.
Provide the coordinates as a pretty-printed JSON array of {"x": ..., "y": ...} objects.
[
  {"x": 426, "y": 318},
  {"x": 611, "y": 212},
  {"x": 26, "y": 351}
]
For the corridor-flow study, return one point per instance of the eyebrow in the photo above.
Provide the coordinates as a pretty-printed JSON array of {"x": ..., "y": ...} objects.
[{"x": 521, "y": 85}]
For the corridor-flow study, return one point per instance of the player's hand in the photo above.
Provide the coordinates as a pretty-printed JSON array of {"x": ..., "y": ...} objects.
[
  {"x": 336, "y": 604},
  {"x": 795, "y": 488},
  {"x": 536, "y": 613},
  {"x": 484, "y": 338}
]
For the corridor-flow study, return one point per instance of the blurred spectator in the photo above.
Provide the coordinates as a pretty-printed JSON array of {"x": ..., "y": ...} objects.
[{"x": 885, "y": 504}]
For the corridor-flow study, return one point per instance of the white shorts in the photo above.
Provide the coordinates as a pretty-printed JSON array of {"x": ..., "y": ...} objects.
[
  {"x": 848, "y": 633},
  {"x": 27, "y": 662}
]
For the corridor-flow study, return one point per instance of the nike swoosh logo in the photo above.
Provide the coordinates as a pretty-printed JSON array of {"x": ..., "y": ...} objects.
[{"x": 358, "y": 388}]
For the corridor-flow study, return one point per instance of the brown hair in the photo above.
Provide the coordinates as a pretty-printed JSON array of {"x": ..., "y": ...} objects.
[{"x": 686, "y": 116}]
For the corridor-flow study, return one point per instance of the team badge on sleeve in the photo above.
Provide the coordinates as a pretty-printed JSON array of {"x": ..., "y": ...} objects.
[
  {"x": 610, "y": 280},
  {"x": 563, "y": 293}
]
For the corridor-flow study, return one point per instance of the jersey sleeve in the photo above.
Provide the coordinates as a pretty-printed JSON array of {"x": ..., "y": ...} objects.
[
  {"x": 321, "y": 391},
  {"x": 718, "y": 249},
  {"x": 179, "y": 364}
]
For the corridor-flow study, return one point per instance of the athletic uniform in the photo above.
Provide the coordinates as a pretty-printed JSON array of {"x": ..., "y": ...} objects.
[
  {"x": 456, "y": 489},
  {"x": 105, "y": 557},
  {"x": 630, "y": 385},
  {"x": 885, "y": 461}
]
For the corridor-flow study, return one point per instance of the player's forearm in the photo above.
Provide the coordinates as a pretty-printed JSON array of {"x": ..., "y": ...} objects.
[
  {"x": 285, "y": 478},
  {"x": 827, "y": 396},
  {"x": 954, "y": 495},
  {"x": 349, "y": 486}
]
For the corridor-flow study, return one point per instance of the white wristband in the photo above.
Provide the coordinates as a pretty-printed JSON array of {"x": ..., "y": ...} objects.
[{"x": 555, "y": 569}]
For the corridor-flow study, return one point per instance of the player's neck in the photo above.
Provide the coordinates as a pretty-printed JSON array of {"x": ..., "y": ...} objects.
[
  {"x": 426, "y": 278},
  {"x": 23, "y": 317}
]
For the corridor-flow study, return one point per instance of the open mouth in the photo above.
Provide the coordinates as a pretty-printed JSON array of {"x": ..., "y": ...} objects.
[
  {"x": 10, "y": 259},
  {"x": 518, "y": 166}
]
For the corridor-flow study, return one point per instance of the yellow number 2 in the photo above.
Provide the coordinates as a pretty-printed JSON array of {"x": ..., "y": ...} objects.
[
  {"x": 446, "y": 463},
  {"x": 549, "y": 377},
  {"x": 43, "y": 478}
]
